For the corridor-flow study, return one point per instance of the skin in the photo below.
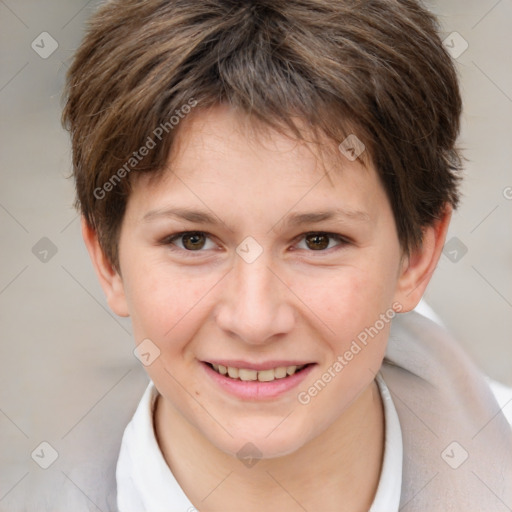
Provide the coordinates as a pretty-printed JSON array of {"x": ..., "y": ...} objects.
[{"x": 293, "y": 301}]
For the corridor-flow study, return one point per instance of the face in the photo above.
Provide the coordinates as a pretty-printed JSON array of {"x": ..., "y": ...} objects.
[{"x": 245, "y": 255}]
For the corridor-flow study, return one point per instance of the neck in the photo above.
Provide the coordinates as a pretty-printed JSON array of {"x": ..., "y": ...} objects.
[{"x": 338, "y": 470}]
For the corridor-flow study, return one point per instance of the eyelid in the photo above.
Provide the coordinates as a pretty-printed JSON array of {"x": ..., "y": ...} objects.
[{"x": 327, "y": 233}]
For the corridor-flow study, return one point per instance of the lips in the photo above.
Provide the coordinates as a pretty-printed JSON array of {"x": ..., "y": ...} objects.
[{"x": 255, "y": 382}]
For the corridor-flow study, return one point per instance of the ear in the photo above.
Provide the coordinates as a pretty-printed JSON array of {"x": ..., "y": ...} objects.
[
  {"x": 110, "y": 279},
  {"x": 417, "y": 269}
]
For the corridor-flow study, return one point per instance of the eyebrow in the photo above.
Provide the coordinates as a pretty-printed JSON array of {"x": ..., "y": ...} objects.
[
  {"x": 339, "y": 214},
  {"x": 294, "y": 219},
  {"x": 198, "y": 216}
]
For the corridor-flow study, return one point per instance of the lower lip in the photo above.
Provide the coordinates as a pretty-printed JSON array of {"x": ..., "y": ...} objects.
[{"x": 256, "y": 390}]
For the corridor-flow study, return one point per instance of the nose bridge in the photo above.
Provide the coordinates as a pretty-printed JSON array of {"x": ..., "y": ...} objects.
[{"x": 254, "y": 305}]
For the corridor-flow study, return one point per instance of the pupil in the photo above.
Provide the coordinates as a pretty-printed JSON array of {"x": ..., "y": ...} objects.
[
  {"x": 193, "y": 241},
  {"x": 317, "y": 242}
]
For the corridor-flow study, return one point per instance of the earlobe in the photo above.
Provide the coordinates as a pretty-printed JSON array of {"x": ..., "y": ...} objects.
[
  {"x": 110, "y": 279},
  {"x": 417, "y": 269}
]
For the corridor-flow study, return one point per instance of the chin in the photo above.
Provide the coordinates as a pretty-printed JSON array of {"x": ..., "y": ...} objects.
[{"x": 262, "y": 440}]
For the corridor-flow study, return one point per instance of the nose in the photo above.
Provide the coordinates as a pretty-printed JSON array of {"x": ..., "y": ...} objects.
[{"x": 255, "y": 304}]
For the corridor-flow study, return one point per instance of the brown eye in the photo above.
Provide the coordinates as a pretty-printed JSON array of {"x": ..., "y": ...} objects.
[
  {"x": 187, "y": 242},
  {"x": 317, "y": 241},
  {"x": 193, "y": 241}
]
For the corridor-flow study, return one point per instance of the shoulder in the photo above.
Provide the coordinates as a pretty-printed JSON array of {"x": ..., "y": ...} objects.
[{"x": 455, "y": 435}]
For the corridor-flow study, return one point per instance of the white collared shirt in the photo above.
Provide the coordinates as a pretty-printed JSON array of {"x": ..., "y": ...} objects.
[{"x": 146, "y": 484}]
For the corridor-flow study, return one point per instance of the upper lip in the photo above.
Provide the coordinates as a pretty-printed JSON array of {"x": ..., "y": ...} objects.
[{"x": 266, "y": 365}]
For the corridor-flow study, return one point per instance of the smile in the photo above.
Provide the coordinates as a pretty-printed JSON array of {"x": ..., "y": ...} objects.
[
  {"x": 246, "y": 374},
  {"x": 257, "y": 381}
]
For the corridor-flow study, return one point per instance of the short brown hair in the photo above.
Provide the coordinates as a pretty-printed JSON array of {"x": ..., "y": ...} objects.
[{"x": 374, "y": 68}]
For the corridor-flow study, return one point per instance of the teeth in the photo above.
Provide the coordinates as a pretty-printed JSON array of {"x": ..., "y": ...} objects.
[
  {"x": 291, "y": 370},
  {"x": 280, "y": 373},
  {"x": 233, "y": 373},
  {"x": 252, "y": 375},
  {"x": 266, "y": 375},
  {"x": 247, "y": 374}
]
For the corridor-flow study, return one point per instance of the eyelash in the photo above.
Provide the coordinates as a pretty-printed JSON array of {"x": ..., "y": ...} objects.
[{"x": 168, "y": 241}]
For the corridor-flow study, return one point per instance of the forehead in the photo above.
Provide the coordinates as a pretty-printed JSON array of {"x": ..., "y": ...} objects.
[{"x": 221, "y": 157}]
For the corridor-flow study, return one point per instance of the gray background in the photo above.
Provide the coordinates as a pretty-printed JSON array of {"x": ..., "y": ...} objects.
[{"x": 64, "y": 355}]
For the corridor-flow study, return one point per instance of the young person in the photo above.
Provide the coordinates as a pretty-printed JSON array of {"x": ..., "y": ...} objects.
[{"x": 265, "y": 187}]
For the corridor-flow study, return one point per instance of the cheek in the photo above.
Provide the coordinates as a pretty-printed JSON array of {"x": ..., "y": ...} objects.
[
  {"x": 163, "y": 303},
  {"x": 347, "y": 299},
  {"x": 355, "y": 305}
]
